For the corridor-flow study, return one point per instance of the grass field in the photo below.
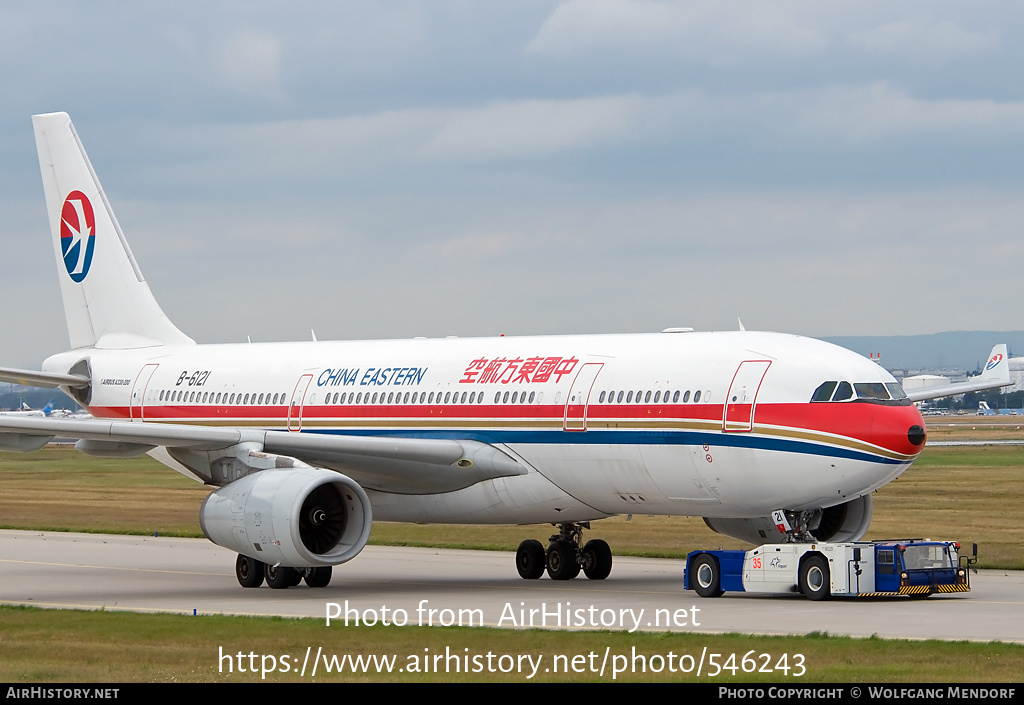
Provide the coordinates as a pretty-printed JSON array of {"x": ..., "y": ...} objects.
[
  {"x": 969, "y": 494},
  {"x": 963, "y": 493},
  {"x": 74, "y": 647}
]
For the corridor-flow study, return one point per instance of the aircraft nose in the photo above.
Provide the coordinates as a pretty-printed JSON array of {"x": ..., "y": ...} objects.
[
  {"x": 900, "y": 429},
  {"x": 916, "y": 435}
]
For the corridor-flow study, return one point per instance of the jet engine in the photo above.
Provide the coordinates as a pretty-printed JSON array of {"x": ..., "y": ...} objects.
[
  {"x": 839, "y": 523},
  {"x": 302, "y": 517}
]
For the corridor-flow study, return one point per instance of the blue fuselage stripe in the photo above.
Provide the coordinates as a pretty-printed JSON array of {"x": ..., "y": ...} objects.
[{"x": 636, "y": 438}]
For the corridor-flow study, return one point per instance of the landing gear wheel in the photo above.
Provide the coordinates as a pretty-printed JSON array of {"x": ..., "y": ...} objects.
[
  {"x": 249, "y": 571},
  {"x": 597, "y": 559},
  {"x": 280, "y": 577},
  {"x": 706, "y": 576},
  {"x": 530, "y": 559},
  {"x": 296, "y": 578},
  {"x": 562, "y": 563},
  {"x": 815, "y": 578},
  {"x": 319, "y": 577}
]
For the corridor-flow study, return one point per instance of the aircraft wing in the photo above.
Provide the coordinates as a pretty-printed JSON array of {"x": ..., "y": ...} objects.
[
  {"x": 995, "y": 374},
  {"x": 405, "y": 465},
  {"x": 35, "y": 378}
]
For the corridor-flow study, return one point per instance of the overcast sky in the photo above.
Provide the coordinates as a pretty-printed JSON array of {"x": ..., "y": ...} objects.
[{"x": 371, "y": 169}]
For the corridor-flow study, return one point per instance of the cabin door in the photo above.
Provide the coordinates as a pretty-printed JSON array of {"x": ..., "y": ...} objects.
[
  {"x": 298, "y": 399},
  {"x": 739, "y": 404},
  {"x": 579, "y": 397},
  {"x": 136, "y": 408}
]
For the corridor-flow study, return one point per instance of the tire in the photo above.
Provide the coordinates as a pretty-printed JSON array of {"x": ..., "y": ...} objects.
[
  {"x": 597, "y": 559},
  {"x": 706, "y": 576},
  {"x": 280, "y": 577},
  {"x": 816, "y": 578},
  {"x": 530, "y": 559},
  {"x": 249, "y": 571},
  {"x": 319, "y": 577},
  {"x": 561, "y": 561}
]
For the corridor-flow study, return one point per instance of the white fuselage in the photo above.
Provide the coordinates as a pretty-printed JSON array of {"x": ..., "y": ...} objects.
[{"x": 704, "y": 424}]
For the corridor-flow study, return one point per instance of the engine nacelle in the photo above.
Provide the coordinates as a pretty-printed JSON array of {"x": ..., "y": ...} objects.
[
  {"x": 303, "y": 517},
  {"x": 840, "y": 523}
]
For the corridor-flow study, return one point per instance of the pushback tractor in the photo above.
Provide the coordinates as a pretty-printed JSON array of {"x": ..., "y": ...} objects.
[{"x": 820, "y": 570}]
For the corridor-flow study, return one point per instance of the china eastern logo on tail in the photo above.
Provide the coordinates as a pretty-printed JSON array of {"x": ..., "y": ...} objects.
[
  {"x": 77, "y": 234},
  {"x": 996, "y": 359}
]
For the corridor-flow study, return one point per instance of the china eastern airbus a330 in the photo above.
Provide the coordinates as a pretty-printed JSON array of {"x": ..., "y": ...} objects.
[{"x": 306, "y": 443}]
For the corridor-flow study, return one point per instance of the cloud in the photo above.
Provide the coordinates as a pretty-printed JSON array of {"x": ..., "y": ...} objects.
[
  {"x": 705, "y": 32},
  {"x": 924, "y": 41},
  {"x": 530, "y": 128},
  {"x": 250, "y": 63}
]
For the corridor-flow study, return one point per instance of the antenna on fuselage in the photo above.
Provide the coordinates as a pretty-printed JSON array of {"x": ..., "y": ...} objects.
[{"x": 742, "y": 329}]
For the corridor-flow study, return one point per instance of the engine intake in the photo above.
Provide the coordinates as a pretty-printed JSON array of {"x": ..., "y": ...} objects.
[
  {"x": 839, "y": 523},
  {"x": 303, "y": 517}
]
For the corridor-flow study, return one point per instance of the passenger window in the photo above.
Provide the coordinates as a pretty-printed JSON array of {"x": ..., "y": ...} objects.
[
  {"x": 515, "y": 395},
  {"x": 647, "y": 397},
  {"x": 531, "y": 397},
  {"x": 657, "y": 397},
  {"x": 696, "y": 396},
  {"x": 463, "y": 398},
  {"x": 619, "y": 399},
  {"x": 497, "y": 397},
  {"x": 675, "y": 397},
  {"x": 601, "y": 400},
  {"x": 504, "y": 399},
  {"x": 629, "y": 397}
]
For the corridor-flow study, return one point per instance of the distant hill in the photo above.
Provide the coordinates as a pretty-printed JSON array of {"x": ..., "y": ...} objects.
[{"x": 964, "y": 350}]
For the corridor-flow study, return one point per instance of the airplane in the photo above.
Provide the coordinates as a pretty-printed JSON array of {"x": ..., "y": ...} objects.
[
  {"x": 304, "y": 444},
  {"x": 26, "y": 410}
]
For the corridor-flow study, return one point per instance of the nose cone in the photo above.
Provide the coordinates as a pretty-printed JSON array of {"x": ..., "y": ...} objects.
[{"x": 900, "y": 429}]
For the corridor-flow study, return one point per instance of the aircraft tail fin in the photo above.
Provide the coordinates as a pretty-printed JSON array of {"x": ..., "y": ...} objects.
[
  {"x": 997, "y": 369},
  {"x": 107, "y": 302}
]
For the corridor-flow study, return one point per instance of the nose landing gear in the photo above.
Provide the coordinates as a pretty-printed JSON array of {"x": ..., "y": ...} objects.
[{"x": 566, "y": 555}]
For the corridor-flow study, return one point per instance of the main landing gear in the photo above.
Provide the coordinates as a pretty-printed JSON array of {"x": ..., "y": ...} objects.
[
  {"x": 251, "y": 573},
  {"x": 566, "y": 555}
]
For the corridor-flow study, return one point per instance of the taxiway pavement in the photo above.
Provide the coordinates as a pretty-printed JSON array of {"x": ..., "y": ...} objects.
[{"x": 157, "y": 574}]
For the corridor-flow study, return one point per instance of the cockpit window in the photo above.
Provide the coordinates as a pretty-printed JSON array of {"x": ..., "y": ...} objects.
[
  {"x": 843, "y": 392},
  {"x": 890, "y": 392},
  {"x": 824, "y": 392},
  {"x": 895, "y": 390},
  {"x": 871, "y": 390}
]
